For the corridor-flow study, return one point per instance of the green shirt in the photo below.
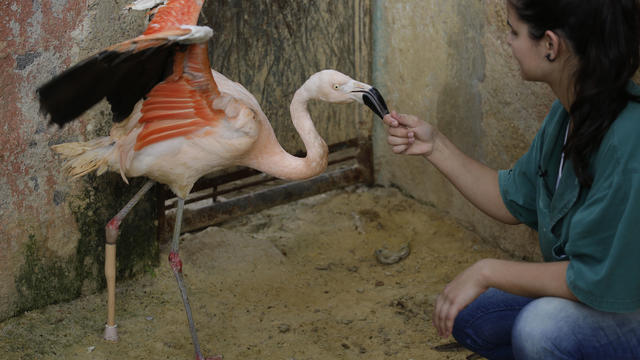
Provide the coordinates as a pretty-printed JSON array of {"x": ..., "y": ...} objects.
[{"x": 597, "y": 229}]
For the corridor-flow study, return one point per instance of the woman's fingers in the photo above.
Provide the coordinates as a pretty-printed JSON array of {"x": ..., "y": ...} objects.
[
  {"x": 391, "y": 119},
  {"x": 400, "y": 131},
  {"x": 439, "y": 314},
  {"x": 394, "y": 140},
  {"x": 399, "y": 136},
  {"x": 399, "y": 149},
  {"x": 407, "y": 120},
  {"x": 450, "y": 317},
  {"x": 394, "y": 120},
  {"x": 445, "y": 312}
]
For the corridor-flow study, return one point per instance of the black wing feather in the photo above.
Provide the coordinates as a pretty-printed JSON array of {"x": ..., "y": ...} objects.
[{"x": 122, "y": 77}]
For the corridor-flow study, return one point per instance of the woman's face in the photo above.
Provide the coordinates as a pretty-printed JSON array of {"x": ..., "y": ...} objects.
[{"x": 529, "y": 53}]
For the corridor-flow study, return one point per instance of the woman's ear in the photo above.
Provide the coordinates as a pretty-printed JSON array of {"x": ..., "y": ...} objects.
[{"x": 551, "y": 45}]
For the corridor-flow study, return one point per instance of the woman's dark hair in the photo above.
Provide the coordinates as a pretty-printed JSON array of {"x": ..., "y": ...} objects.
[{"x": 605, "y": 36}]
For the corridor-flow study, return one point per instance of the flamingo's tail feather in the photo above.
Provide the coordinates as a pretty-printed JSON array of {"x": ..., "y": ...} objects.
[{"x": 85, "y": 157}]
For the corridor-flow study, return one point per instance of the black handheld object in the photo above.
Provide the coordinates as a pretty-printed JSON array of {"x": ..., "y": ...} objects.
[{"x": 374, "y": 100}]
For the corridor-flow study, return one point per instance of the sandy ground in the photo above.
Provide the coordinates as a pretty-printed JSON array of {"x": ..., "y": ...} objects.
[{"x": 295, "y": 282}]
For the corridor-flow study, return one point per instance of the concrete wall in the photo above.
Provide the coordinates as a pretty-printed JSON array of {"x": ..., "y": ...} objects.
[
  {"x": 266, "y": 46},
  {"x": 448, "y": 63},
  {"x": 51, "y": 229},
  {"x": 445, "y": 61}
]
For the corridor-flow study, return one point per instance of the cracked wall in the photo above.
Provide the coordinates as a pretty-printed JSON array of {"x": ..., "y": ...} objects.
[
  {"x": 50, "y": 240},
  {"x": 52, "y": 229}
]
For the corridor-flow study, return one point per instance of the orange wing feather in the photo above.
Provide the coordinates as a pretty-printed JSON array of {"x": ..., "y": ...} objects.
[
  {"x": 182, "y": 104},
  {"x": 166, "y": 23},
  {"x": 125, "y": 72},
  {"x": 175, "y": 14}
]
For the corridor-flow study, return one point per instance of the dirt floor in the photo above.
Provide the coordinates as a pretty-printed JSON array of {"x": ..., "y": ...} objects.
[{"x": 299, "y": 281}]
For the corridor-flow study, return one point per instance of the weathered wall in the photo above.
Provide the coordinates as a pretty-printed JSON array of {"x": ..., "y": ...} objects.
[
  {"x": 272, "y": 47},
  {"x": 445, "y": 61},
  {"x": 51, "y": 229},
  {"x": 448, "y": 62}
]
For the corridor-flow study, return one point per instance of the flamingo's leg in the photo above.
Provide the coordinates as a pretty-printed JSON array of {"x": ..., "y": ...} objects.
[
  {"x": 112, "y": 229},
  {"x": 176, "y": 266}
]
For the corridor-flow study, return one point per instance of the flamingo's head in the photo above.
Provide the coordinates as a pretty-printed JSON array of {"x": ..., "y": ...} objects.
[{"x": 336, "y": 87}]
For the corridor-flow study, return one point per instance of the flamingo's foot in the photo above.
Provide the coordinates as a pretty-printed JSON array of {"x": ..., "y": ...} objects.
[{"x": 111, "y": 333}]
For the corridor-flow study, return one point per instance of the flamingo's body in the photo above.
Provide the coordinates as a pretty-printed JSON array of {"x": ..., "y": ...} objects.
[
  {"x": 174, "y": 140},
  {"x": 192, "y": 120}
]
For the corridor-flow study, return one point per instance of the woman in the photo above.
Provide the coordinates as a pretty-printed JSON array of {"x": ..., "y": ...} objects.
[{"x": 578, "y": 186}]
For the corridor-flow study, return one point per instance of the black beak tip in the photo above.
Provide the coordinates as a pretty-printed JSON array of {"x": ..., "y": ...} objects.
[{"x": 374, "y": 100}]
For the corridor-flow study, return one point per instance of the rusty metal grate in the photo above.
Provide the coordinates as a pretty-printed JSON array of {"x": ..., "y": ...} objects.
[{"x": 240, "y": 191}]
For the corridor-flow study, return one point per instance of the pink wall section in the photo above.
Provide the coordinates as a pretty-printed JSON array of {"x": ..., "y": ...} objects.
[{"x": 38, "y": 39}]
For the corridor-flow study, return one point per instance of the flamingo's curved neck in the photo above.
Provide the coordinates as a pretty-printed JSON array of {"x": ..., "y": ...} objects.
[
  {"x": 316, "y": 147},
  {"x": 274, "y": 160}
]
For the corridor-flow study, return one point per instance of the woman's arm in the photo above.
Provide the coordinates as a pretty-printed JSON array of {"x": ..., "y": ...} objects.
[
  {"x": 475, "y": 181},
  {"x": 519, "y": 278}
]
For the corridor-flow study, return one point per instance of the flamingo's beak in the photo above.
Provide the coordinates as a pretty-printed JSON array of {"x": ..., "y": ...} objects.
[
  {"x": 375, "y": 102},
  {"x": 370, "y": 96}
]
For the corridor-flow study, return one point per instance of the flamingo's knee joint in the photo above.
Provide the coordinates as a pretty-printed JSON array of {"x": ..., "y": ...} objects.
[{"x": 176, "y": 263}]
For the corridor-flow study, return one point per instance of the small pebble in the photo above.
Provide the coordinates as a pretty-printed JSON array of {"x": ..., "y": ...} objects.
[
  {"x": 91, "y": 348},
  {"x": 283, "y": 328},
  {"x": 149, "y": 318}
]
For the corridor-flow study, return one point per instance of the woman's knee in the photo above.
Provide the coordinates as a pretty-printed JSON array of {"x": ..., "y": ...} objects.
[
  {"x": 544, "y": 330},
  {"x": 484, "y": 326},
  {"x": 469, "y": 326}
]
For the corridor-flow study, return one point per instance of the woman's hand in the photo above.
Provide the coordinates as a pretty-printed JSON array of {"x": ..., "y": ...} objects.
[
  {"x": 532, "y": 280},
  {"x": 409, "y": 135},
  {"x": 459, "y": 293}
]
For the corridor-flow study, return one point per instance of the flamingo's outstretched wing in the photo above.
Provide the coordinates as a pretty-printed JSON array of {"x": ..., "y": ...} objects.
[
  {"x": 125, "y": 72},
  {"x": 183, "y": 103}
]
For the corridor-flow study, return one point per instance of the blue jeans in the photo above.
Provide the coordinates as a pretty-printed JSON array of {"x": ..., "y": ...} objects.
[{"x": 499, "y": 325}]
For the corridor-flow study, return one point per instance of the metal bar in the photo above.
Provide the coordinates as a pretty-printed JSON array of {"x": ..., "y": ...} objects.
[
  {"x": 264, "y": 199},
  {"x": 160, "y": 208},
  {"x": 361, "y": 172},
  {"x": 242, "y": 173},
  {"x": 209, "y": 182},
  {"x": 232, "y": 189},
  {"x": 264, "y": 180},
  {"x": 342, "y": 159},
  {"x": 364, "y": 158}
]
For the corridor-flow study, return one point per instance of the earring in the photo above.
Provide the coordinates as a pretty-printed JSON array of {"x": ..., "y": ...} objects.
[{"x": 548, "y": 57}]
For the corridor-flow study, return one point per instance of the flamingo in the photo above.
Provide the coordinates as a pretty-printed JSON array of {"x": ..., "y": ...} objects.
[{"x": 175, "y": 120}]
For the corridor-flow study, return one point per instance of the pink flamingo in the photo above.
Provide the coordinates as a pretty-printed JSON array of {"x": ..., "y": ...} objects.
[{"x": 177, "y": 120}]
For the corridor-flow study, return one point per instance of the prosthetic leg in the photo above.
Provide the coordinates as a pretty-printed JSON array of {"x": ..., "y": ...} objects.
[{"x": 112, "y": 230}]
